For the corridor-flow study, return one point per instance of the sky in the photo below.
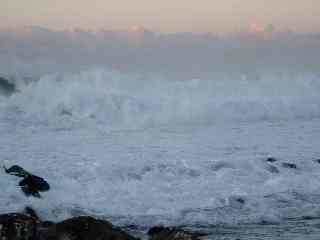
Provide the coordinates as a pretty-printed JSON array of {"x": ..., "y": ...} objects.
[{"x": 162, "y": 15}]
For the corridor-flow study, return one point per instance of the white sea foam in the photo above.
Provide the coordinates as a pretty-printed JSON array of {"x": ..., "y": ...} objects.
[
  {"x": 114, "y": 98},
  {"x": 146, "y": 150},
  {"x": 167, "y": 175}
]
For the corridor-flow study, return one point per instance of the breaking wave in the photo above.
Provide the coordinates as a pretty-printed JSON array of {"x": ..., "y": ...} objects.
[{"x": 115, "y": 98}]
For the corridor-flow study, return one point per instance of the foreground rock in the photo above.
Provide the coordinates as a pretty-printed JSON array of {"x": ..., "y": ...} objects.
[
  {"x": 31, "y": 185},
  {"x": 172, "y": 233},
  {"x": 83, "y": 228},
  {"x": 15, "y": 226},
  {"x": 28, "y": 226}
]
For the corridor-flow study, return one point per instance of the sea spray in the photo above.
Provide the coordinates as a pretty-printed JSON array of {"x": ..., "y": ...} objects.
[{"x": 113, "y": 98}]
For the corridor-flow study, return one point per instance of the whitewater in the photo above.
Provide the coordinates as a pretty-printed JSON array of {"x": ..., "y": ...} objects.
[{"x": 146, "y": 149}]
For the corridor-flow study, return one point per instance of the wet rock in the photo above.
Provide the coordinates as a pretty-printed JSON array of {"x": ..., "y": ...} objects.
[
  {"x": 309, "y": 217},
  {"x": 317, "y": 161},
  {"x": 6, "y": 87},
  {"x": 16, "y": 171},
  {"x": 240, "y": 200},
  {"x": 172, "y": 233},
  {"x": 267, "y": 222},
  {"x": 32, "y": 213},
  {"x": 15, "y": 226},
  {"x": 45, "y": 224},
  {"x": 271, "y": 159},
  {"x": 41, "y": 225},
  {"x": 83, "y": 228},
  {"x": 30, "y": 191},
  {"x": 28, "y": 226},
  {"x": 289, "y": 165},
  {"x": 31, "y": 184}
]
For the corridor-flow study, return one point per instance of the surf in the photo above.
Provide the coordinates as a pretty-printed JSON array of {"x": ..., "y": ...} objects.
[{"x": 114, "y": 98}]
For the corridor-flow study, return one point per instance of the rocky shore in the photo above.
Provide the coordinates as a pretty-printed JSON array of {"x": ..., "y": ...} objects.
[{"x": 28, "y": 226}]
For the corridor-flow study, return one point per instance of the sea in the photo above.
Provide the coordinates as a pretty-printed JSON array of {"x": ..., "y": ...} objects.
[{"x": 144, "y": 149}]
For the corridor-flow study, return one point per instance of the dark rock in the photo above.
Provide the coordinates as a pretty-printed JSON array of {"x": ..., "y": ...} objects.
[
  {"x": 289, "y": 165},
  {"x": 32, "y": 213},
  {"x": 266, "y": 222},
  {"x": 271, "y": 159},
  {"x": 156, "y": 230},
  {"x": 272, "y": 169},
  {"x": 45, "y": 225},
  {"x": 37, "y": 182},
  {"x": 30, "y": 191},
  {"x": 14, "y": 226},
  {"x": 6, "y": 87},
  {"x": 168, "y": 233},
  {"x": 31, "y": 184},
  {"x": 240, "y": 200},
  {"x": 41, "y": 225},
  {"x": 317, "y": 161},
  {"x": 83, "y": 228},
  {"x": 308, "y": 218},
  {"x": 16, "y": 171}
]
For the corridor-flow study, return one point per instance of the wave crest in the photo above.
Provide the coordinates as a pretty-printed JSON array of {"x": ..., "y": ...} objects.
[{"x": 115, "y": 98}]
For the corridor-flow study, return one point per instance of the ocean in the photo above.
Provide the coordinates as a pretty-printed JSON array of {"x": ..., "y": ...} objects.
[{"x": 146, "y": 149}]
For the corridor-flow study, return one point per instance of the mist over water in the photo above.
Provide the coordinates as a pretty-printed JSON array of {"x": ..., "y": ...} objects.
[{"x": 31, "y": 52}]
